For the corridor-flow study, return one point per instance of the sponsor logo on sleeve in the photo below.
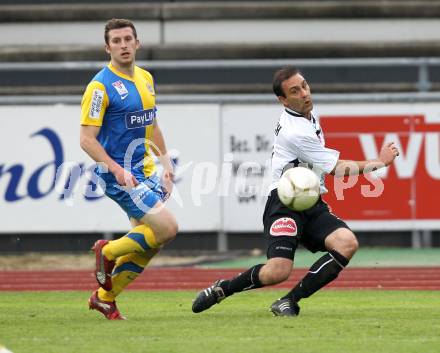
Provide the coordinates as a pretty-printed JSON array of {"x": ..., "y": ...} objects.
[
  {"x": 96, "y": 104},
  {"x": 283, "y": 227},
  {"x": 151, "y": 89}
]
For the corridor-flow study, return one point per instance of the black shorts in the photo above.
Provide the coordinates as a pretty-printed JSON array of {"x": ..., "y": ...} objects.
[{"x": 285, "y": 228}]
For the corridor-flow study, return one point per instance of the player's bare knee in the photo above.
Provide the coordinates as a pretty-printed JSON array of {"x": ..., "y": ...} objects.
[
  {"x": 353, "y": 244},
  {"x": 167, "y": 233},
  {"x": 173, "y": 228},
  {"x": 282, "y": 274},
  {"x": 344, "y": 241},
  {"x": 349, "y": 244},
  {"x": 270, "y": 274},
  {"x": 279, "y": 275}
]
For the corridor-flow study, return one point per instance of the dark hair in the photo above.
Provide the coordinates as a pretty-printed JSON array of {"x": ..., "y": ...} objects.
[
  {"x": 282, "y": 75},
  {"x": 116, "y": 23}
]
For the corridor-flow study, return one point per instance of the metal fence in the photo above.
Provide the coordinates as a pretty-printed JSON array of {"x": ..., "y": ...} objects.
[{"x": 399, "y": 74}]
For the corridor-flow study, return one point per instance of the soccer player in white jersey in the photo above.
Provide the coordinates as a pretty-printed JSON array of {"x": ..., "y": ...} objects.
[
  {"x": 298, "y": 140},
  {"x": 119, "y": 129}
]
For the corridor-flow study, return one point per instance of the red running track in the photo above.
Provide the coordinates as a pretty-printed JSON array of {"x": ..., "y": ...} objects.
[{"x": 175, "y": 278}]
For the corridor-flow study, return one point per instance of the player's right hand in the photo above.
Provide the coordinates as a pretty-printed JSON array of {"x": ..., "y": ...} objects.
[
  {"x": 388, "y": 153},
  {"x": 125, "y": 178}
]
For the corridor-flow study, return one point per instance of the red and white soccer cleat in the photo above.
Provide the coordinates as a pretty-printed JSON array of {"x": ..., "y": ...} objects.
[
  {"x": 108, "y": 309},
  {"x": 103, "y": 267}
]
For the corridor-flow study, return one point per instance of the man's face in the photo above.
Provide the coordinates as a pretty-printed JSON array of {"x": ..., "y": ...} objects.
[
  {"x": 122, "y": 45},
  {"x": 297, "y": 95}
]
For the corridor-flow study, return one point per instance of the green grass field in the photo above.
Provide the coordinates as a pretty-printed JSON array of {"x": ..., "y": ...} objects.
[{"x": 330, "y": 321}]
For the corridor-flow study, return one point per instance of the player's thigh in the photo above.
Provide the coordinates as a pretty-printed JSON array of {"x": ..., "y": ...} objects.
[
  {"x": 164, "y": 225},
  {"x": 320, "y": 225},
  {"x": 162, "y": 222},
  {"x": 144, "y": 204}
]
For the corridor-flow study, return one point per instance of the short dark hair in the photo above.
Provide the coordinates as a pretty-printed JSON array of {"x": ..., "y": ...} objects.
[
  {"x": 116, "y": 23},
  {"x": 282, "y": 75}
]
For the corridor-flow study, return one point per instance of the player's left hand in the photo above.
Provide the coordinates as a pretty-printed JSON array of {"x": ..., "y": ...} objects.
[
  {"x": 168, "y": 180},
  {"x": 388, "y": 153}
]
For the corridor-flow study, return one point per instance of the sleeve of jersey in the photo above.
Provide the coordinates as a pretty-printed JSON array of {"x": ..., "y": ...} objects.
[
  {"x": 94, "y": 104},
  {"x": 311, "y": 150}
]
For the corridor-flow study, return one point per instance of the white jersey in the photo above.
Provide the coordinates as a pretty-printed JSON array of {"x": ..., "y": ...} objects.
[{"x": 300, "y": 141}]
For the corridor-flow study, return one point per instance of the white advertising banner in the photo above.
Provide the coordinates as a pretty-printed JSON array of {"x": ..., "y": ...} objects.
[
  {"x": 37, "y": 140},
  {"x": 192, "y": 137},
  {"x": 247, "y": 143},
  {"x": 222, "y": 155}
]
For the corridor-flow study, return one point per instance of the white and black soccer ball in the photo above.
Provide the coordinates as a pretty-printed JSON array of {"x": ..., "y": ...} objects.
[{"x": 298, "y": 188}]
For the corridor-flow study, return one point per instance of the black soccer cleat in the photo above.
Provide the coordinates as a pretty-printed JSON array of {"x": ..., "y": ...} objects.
[
  {"x": 285, "y": 307},
  {"x": 208, "y": 297}
]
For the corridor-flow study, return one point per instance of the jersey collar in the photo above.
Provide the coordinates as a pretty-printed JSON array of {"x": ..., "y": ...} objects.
[
  {"x": 119, "y": 73},
  {"x": 293, "y": 113},
  {"x": 298, "y": 115}
]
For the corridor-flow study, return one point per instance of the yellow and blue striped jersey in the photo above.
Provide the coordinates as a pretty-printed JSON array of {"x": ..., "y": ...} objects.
[{"x": 125, "y": 108}]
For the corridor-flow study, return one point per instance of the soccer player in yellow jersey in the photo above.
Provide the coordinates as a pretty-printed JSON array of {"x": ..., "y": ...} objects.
[{"x": 119, "y": 130}]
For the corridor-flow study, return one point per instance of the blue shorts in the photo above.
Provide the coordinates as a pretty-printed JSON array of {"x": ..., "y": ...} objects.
[{"x": 138, "y": 201}]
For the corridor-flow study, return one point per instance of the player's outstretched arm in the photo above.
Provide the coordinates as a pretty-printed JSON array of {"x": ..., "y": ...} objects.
[
  {"x": 94, "y": 149},
  {"x": 386, "y": 156}
]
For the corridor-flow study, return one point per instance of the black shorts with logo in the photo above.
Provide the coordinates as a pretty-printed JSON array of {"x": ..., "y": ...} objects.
[{"x": 285, "y": 228}]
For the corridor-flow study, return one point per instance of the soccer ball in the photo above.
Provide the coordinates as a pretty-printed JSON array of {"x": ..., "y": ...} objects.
[{"x": 298, "y": 188}]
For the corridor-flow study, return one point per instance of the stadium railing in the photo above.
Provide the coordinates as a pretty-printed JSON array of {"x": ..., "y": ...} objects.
[{"x": 250, "y": 76}]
